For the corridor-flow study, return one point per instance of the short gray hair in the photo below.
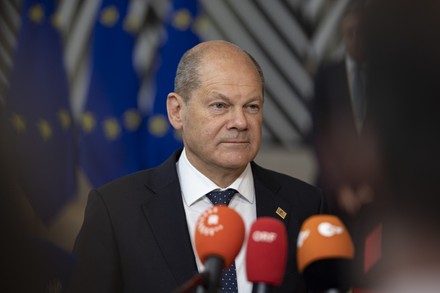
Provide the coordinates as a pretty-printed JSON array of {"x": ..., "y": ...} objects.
[{"x": 188, "y": 77}]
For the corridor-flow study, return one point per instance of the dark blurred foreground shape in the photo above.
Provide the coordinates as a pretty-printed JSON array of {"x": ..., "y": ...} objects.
[
  {"x": 403, "y": 87},
  {"x": 29, "y": 263},
  {"x": 400, "y": 148}
]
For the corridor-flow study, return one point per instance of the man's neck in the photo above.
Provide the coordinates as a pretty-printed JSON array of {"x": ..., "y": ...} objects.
[{"x": 221, "y": 177}]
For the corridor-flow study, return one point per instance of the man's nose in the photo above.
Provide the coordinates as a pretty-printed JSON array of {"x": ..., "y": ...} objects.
[{"x": 238, "y": 119}]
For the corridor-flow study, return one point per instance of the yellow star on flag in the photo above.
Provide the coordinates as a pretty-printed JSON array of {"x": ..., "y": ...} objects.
[
  {"x": 158, "y": 125},
  {"x": 64, "y": 118},
  {"x": 45, "y": 129},
  {"x": 88, "y": 122},
  {"x": 18, "y": 123},
  {"x": 109, "y": 16},
  {"x": 36, "y": 13},
  {"x": 132, "y": 119},
  {"x": 182, "y": 19},
  {"x": 112, "y": 129}
]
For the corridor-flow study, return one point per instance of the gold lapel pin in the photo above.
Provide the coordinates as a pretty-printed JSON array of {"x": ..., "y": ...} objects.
[{"x": 280, "y": 212}]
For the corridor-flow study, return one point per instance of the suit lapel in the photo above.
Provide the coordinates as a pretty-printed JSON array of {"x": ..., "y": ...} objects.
[
  {"x": 269, "y": 204},
  {"x": 166, "y": 216}
]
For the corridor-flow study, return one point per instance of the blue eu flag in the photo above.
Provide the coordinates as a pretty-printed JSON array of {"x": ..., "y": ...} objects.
[
  {"x": 109, "y": 140},
  {"x": 160, "y": 139},
  {"x": 37, "y": 113}
]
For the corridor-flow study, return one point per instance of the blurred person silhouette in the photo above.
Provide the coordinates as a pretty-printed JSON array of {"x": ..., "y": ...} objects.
[
  {"x": 340, "y": 129},
  {"x": 403, "y": 51},
  {"x": 339, "y": 113}
]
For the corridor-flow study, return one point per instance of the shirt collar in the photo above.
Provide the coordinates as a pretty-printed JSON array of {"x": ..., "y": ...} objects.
[{"x": 194, "y": 185}]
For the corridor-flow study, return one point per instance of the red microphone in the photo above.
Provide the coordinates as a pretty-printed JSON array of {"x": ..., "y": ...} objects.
[
  {"x": 266, "y": 253},
  {"x": 218, "y": 239},
  {"x": 325, "y": 253}
]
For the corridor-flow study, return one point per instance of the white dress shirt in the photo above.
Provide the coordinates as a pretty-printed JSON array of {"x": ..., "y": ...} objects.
[{"x": 195, "y": 186}]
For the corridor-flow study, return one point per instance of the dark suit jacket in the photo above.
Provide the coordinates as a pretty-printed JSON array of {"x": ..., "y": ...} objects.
[
  {"x": 340, "y": 152},
  {"x": 337, "y": 142},
  {"x": 135, "y": 237}
]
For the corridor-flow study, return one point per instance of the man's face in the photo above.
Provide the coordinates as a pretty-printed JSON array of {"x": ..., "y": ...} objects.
[
  {"x": 353, "y": 39},
  {"x": 222, "y": 121}
]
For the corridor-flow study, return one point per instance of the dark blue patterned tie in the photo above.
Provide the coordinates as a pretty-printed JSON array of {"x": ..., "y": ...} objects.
[{"x": 229, "y": 276}]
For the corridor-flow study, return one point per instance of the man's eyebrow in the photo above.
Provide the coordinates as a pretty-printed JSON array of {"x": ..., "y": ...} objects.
[
  {"x": 226, "y": 98},
  {"x": 221, "y": 96}
]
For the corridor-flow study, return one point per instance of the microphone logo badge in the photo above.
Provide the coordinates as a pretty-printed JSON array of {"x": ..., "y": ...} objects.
[
  {"x": 328, "y": 230},
  {"x": 264, "y": 236},
  {"x": 213, "y": 220},
  {"x": 208, "y": 224}
]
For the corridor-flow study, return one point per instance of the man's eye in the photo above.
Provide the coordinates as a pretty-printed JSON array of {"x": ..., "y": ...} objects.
[
  {"x": 219, "y": 105},
  {"x": 253, "y": 107}
]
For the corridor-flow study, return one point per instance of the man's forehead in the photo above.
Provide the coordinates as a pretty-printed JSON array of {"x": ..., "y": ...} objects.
[
  {"x": 230, "y": 70},
  {"x": 228, "y": 87}
]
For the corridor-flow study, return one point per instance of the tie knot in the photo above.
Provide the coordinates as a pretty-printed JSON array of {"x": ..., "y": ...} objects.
[{"x": 221, "y": 196}]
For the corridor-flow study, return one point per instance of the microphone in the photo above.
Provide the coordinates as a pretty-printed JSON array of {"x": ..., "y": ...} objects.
[
  {"x": 325, "y": 254},
  {"x": 218, "y": 239},
  {"x": 266, "y": 253}
]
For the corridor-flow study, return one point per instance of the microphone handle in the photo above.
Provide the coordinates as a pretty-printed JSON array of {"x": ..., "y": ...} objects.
[
  {"x": 261, "y": 288},
  {"x": 214, "y": 266}
]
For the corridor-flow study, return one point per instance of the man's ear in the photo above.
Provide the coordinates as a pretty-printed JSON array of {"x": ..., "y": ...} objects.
[{"x": 175, "y": 105}]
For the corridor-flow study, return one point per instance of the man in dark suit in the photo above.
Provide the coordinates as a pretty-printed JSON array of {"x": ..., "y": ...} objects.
[
  {"x": 138, "y": 230},
  {"x": 339, "y": 118},
  {"x": 341, "y": 135}
]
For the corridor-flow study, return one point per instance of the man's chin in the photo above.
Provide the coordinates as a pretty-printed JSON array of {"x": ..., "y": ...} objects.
[{"x": 236, "y": 161}]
